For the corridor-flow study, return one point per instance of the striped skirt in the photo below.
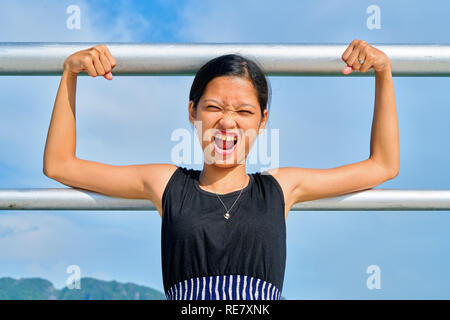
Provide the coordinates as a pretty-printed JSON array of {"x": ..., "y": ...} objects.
[{"x": 224, "y": 287}]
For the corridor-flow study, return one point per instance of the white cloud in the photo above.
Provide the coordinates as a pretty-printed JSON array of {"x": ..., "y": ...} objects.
[{"x": 29, "y": 20}]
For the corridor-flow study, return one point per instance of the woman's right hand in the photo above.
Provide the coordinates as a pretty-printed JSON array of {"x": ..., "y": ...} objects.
[{"x": 97, "y": 61}]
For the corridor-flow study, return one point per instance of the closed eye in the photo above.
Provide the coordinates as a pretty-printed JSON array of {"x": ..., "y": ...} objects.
[{"x": 217, "y": 108}]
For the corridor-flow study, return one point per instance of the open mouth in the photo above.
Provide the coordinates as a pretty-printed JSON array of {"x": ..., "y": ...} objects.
[{"x": 225, "y": 144}]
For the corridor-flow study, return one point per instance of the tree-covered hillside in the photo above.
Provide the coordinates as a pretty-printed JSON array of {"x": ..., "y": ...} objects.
[{"x": 91, "y": 289}]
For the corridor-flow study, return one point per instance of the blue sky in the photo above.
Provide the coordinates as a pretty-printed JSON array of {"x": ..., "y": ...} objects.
[{"x": 324, "y": 122}]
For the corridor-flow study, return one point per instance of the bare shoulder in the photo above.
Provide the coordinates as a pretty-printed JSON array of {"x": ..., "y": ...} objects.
[
  {"x": 306, "y": 184},
  {"x": 289, "y": 177},
  {"x": 284, "y": 177},
  {"x": 155, "y": 177}
]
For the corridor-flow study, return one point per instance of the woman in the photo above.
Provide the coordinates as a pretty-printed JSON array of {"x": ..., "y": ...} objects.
[{"x": 223, "y": 230}]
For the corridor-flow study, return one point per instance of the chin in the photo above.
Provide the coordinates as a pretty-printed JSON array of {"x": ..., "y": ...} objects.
[{"x": 223, "y": 164}]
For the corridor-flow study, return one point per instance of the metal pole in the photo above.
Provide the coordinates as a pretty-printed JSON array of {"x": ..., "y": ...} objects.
[
  {"x": 277, "y": 59},
  {"x": 367, "y": 200},
  {"x": 34, "y": 58}
]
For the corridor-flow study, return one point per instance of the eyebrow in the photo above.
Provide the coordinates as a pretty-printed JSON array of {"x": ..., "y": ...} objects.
[{"x": 218, "y": 102}]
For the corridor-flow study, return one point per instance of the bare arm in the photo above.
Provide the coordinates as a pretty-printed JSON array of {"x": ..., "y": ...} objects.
[
  {"x": 61, "y": 137},
  {"x": 60, "y": 146},
  {"x": 304, "y": 184},
  {"x": 142, "y": 181},
  {"x": 384, "y": 142}
]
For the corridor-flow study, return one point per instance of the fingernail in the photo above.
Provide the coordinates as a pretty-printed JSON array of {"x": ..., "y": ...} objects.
[{"x": 347, "y": 70}]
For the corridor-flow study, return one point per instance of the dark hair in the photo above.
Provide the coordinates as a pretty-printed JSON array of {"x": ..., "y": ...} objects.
[{"x": 231, "y": 65}]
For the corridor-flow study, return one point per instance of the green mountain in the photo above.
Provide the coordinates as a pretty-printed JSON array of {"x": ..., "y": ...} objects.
[{"x": 91, "y": 289}]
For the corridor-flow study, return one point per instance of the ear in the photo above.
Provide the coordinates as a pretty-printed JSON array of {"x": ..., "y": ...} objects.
[
  {"x": 191, "y": 112},
  {"x": 263, "y": 122}
]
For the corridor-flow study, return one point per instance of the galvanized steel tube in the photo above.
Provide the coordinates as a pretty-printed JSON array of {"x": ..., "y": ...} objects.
[
  {"x": 281, "y": 59},
  {"x": 367, "y": 200}
]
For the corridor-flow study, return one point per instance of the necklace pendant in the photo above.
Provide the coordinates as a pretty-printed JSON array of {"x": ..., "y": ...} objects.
[{"x": 226, "y": 215}]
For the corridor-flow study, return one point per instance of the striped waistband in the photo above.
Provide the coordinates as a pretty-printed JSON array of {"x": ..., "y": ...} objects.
[{"x": 224, "y": 287}]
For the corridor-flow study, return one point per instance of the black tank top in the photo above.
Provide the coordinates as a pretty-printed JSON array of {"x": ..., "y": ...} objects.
[{"x": 205, "y": 256}]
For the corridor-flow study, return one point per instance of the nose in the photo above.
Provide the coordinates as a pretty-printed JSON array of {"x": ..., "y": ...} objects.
[{"x": 227, "y": 120}]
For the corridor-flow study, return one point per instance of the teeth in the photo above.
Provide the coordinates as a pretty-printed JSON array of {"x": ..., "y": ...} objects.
[{"x": 227, "y": 138}]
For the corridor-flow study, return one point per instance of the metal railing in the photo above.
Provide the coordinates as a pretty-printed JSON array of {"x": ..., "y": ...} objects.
[
  {"x": 78, "y": 199},
  {"x": 38, "y": 58},
  {"x": 34, "y": 58}
]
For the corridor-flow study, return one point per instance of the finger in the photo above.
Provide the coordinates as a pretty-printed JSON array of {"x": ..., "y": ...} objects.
[
  {"x": 352, "y": 59},
  {"x": 98, "y": 66},
  {"x": 90, "y": 67},
  {"x": 108, "y": 76},
  {"x": 349, "y": 50},
  {"x": 367, "y": 62},
  {"x": 105, "y": 62},
  {"x": 362, "y": 56},
  {"x": 362, "y": 52},
  {"x": 347, "y": 70},
  {"x": 108, "y": 54},
  {"x": 106, "y": 65}
]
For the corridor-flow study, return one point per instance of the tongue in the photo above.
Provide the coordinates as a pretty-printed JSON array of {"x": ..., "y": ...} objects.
[
  {"x": 224, "y": 144},
  {"x": 228, "y": 144}
]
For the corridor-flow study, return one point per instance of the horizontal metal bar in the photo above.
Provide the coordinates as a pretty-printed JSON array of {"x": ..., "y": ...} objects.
[
  {"x": 279, "y": 59},
  {"x": 366, "y": 200}
]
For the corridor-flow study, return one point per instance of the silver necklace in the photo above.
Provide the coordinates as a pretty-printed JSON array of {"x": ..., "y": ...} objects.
[{"x": 227, "y": 213}]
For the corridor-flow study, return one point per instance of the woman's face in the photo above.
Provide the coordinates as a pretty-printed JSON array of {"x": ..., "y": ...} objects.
[{"x": 229, "y": 107}]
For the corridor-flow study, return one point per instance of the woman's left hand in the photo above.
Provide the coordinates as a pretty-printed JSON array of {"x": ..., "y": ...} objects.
[{"x": 370, "y": 57}]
